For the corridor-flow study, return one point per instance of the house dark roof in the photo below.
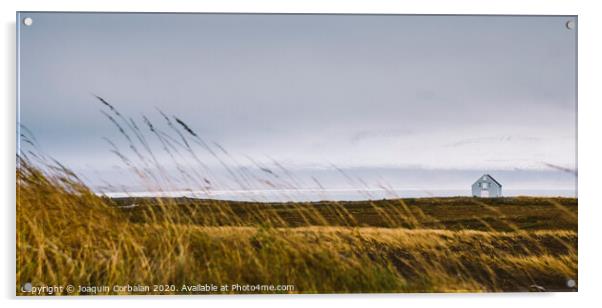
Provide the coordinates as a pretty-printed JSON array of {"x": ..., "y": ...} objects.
[{"x": 493, "y": 179}]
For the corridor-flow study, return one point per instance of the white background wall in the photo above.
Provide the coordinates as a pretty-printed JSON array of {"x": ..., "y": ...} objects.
[{"x": 590, "y": 119}]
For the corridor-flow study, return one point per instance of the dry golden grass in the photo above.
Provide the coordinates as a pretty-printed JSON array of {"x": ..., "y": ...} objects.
[{"x": 67, "y": 235}]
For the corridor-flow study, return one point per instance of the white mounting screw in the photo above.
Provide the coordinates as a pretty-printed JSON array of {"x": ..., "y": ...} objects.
[
  {"x": 571, "y": 283},
  {"x": 570, "y": 24}
]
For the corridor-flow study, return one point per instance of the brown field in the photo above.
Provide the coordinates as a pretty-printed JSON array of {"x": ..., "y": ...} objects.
[{"x": 450, "y": 213}]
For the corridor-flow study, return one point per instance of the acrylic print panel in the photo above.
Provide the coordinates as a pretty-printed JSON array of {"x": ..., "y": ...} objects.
[{"x": 282, "y": 153}]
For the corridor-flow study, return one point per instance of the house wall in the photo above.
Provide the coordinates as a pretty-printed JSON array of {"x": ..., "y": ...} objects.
[{"x": 495, "y": 190}]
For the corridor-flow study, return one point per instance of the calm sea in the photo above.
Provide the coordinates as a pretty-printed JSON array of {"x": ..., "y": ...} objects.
[{"x": 305, "y": 195}]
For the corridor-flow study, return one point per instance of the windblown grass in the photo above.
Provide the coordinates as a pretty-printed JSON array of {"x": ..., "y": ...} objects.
[{"x": 68, "y": 235}]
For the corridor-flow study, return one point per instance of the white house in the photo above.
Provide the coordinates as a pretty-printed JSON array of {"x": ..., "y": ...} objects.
[{"x": 486, "y": 187}]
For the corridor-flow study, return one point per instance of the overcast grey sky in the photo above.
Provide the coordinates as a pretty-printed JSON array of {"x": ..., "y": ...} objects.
[{"x": 463, "y": 93}]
